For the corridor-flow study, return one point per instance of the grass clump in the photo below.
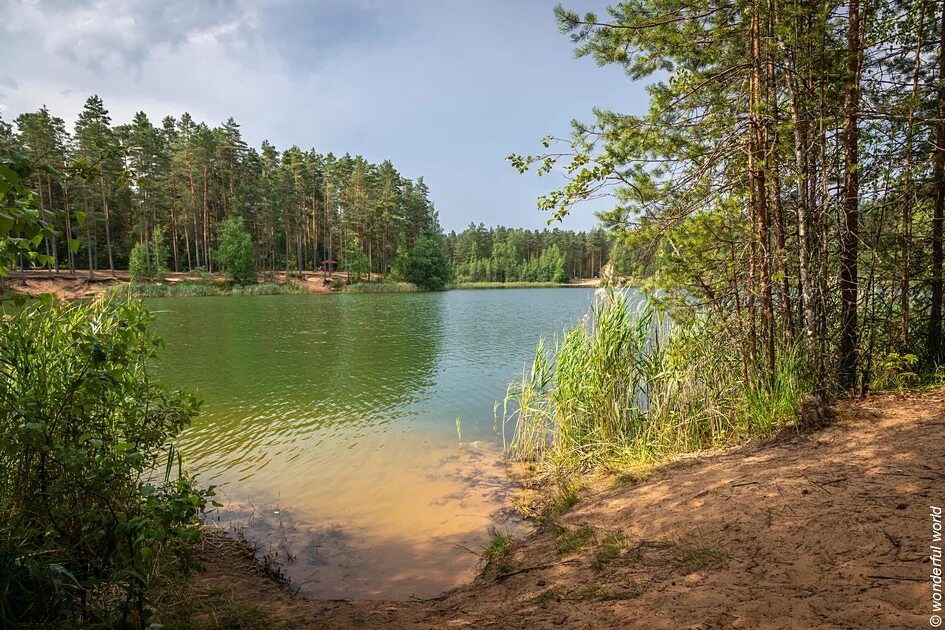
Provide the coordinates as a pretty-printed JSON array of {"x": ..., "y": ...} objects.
[
  {"x": 183, "y": 607},
  {"x": 627, "y": 386},
  {"x": 497, "y": 554},
  {"x": 689, "y": 559},
  {"x": 627, "y": 477},
  {"x": 265, "y": 288},
  {"x": 545, "y": 598},
  {"x": 506, "y": 285},
  {"x": 564, "y": 496},
  {"x": 610, "y": 548},
  {"x": 569, "y": 541},
  {"x": 161, "y": 290},
  {"x": 597, "y": 591}
]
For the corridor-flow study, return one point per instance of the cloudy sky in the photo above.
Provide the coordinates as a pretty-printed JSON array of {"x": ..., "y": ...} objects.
[{"x": 443, "y": 88}]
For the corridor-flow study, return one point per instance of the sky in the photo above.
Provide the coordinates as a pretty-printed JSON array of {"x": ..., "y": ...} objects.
[{"x": 445, "y": 89}]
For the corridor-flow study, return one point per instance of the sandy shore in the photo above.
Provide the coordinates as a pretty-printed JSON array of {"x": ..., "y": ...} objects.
[
  {"x": 81, "y": 284},
  {"x": 828, "y": 529}
]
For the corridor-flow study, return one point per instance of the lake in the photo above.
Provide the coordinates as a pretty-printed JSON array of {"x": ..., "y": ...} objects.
[{"x": 329, "y": 425}]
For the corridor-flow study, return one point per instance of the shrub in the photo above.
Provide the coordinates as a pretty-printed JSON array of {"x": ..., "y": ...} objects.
[
  {"x": 427, "y": 266},
  {"x": 139, "y": 265},
  {"x": 85, "y": 521},
  {"x": 148, "y": 260},
  {"x": 398, "y": 271},
  {"x": 236, "y": 253},
  {"x": 353, "y": 260}
]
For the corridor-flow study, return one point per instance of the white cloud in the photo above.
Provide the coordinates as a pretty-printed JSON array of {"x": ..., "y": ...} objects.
[{"x": 443, "y": 89}]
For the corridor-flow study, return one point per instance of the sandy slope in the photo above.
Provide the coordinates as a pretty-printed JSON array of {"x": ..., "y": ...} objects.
[
  {"x": 79, "y": 285},
  {"x": 829, "y": 529}
]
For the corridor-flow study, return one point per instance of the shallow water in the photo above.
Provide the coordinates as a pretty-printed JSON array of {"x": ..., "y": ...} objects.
[{"x": 329, "y": 424}]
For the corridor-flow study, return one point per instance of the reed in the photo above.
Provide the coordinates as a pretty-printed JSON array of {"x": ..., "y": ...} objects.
[
  {"x": 381, "y": 287},
  {"x": 506, "y": 285},
  {"x": 265, "y": 288},
  {"x": 201, "y": 289},
  {"x": 626, "y": 385}
]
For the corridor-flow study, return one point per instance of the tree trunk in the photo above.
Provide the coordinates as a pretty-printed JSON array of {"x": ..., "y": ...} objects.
[
  {"x": 206, "y": 225},
  {"x": 69, "y": 239},
  {"x": 55, "y": 243},
  {"x": 88, "y": 233},
  {"x": 849, "y": 237},
  {"x": 935, "y": 315},
  {"x": 907, "y": 188},
  {"x": 758, "y": 148},
  {"x": 802, "y": 163},
  {"x": 108, "y": 232},
  {"x": 174, "y": 237}
]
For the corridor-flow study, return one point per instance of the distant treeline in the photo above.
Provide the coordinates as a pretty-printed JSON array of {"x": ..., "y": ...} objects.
[
  {"x": 105, "y": 188},
  {"x": 300, "y": 206},
  {"x": 481, "y": 254}
]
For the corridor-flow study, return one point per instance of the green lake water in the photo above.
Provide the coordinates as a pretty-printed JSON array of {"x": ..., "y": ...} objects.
[{"x": 329, "y": 424}]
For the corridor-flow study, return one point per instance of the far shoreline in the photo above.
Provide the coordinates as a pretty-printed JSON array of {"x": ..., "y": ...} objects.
[{"x": 81, "y": 284}]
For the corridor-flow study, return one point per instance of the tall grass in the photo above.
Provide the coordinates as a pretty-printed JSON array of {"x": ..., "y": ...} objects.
[
  {"x": 506, "y": 285},
  {"x": 381, "y": 287},
  {"x": 202, "y": 289},
  {"x": 265, "y": 288},
  {"x": 629, "y": 385}
]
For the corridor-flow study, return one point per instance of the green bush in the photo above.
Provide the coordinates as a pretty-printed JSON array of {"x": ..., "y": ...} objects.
[
  {"x": 353, "y": 260},
  {"x": 148, "y": 260},
  {"x": 236, "y": 252},
  {"x": 426, "y": 265},
  {"x": 139, "y": 265},
  {"x": 398, "y": 272},
  {"x": 87, "y": 519}
]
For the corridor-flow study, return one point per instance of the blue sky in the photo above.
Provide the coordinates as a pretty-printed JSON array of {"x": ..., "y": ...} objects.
[{"x": 444, "y": 89}]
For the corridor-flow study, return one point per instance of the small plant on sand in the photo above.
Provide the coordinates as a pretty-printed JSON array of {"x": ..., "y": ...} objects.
[
  {"x": 627, "y": 477},
  {"x": 611, "y": 546},
  {"x": 497, "y": 554},
  {"x": 895, "y": 371},
  {"x": 689, "y": 559},
  {"x": 546, "y": 597},
  {"x": 564, "y": 496},
  {"x": 527, "y": 503},
  {"x": 569, "y": 541}
]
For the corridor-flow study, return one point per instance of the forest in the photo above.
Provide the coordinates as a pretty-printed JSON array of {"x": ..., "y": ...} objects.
[
  {"x": 180, "y": 182},
  {"x": 187, "y": 178},
  {"x": 501, "y": 254}
]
